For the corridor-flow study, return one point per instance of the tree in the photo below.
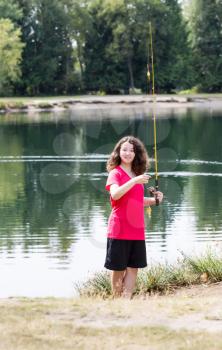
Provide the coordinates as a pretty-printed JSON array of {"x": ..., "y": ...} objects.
[
  {"x": 10, "y": 9},
  {"x": 122, "y": 24},
  {"x": 99, "y": 45},
  {"x": 116, "y": 47},
  {"x": 10, "y": 55},
  {"x": 101, "y": 72},
  {"x": 173, "y": 53},
  {"x": 79, "y": 25},
  {"x": 48, "y": 57},
  {"x": 206, "y": 36}
]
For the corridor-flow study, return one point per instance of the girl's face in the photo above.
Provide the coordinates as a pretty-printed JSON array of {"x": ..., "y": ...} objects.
[{"x": 127, "y": 153}]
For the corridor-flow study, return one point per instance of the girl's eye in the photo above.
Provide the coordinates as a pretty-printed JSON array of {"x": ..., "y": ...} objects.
[{"x": 125, "y": 150}]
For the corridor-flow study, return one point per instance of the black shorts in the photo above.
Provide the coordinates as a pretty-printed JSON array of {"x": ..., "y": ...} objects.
[{"x": 122, "y": 253}]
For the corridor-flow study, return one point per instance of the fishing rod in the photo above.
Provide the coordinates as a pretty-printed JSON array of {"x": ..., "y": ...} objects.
[{"x": 151, "y": 77}]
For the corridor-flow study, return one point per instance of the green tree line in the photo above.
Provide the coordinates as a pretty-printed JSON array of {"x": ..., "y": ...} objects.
[{"x": 50, "y": 47}]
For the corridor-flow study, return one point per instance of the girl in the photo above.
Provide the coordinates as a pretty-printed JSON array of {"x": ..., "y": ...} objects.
[{"x": 126, "y": 250}]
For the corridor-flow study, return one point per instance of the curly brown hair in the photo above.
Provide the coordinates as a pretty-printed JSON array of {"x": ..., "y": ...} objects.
[{"x": 141, "y": 161}]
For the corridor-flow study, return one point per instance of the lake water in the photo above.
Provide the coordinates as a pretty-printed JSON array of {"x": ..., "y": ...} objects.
[{"x": 53, "y": 206}]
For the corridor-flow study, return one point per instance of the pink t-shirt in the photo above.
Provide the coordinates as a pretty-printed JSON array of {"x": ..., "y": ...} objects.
[{"x": 126, "y": 220}]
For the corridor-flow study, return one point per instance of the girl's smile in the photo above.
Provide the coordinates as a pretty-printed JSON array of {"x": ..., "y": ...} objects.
[{"x": 127, "y": 153}]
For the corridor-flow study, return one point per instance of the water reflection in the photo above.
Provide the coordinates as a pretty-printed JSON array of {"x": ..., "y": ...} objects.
[{"x": 54, "y": 209}]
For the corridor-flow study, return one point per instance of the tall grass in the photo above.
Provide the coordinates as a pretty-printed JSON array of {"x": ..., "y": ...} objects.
[
  {"x": 208, "y": 264},
  {"x": 162, "y": 278},
  {"x": 98, "y": 285}
]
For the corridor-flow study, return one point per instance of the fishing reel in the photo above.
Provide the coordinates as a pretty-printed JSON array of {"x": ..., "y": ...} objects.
[{"x": 153, "y": 193}]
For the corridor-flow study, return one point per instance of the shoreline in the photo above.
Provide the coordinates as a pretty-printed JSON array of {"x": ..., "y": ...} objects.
[{"x": 78, "y": 103}]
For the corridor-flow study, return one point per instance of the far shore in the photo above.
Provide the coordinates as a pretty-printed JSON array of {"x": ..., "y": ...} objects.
[{"x": 78, "y": 103}]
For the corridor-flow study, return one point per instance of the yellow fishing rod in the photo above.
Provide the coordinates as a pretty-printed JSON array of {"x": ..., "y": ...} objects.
[{"x": 151, "y": 77}]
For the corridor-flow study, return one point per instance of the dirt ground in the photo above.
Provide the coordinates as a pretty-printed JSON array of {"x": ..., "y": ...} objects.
[
  {"x": 194, "y": 308},
  {"x": 190, "y": 318}
]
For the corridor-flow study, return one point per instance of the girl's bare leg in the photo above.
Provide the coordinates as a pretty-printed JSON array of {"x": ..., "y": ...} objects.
[
  {"x": 117, "y": 282},
  {"x": 129, "y": 282}
]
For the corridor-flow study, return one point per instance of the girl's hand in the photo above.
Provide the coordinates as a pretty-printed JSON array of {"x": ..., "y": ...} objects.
[
  {"x": 141, "y": 179},
  {"x": 159, "y": 195}
]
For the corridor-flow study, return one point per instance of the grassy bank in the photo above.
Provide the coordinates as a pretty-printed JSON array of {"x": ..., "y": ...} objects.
[
  {"x": 175, "y": 307},
  {"x": 163, "y": 278}
]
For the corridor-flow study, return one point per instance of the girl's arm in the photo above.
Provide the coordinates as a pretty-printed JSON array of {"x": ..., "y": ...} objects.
[
  {"x": 118, "y": 191},
  {"x": 148, "y": 201}
]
